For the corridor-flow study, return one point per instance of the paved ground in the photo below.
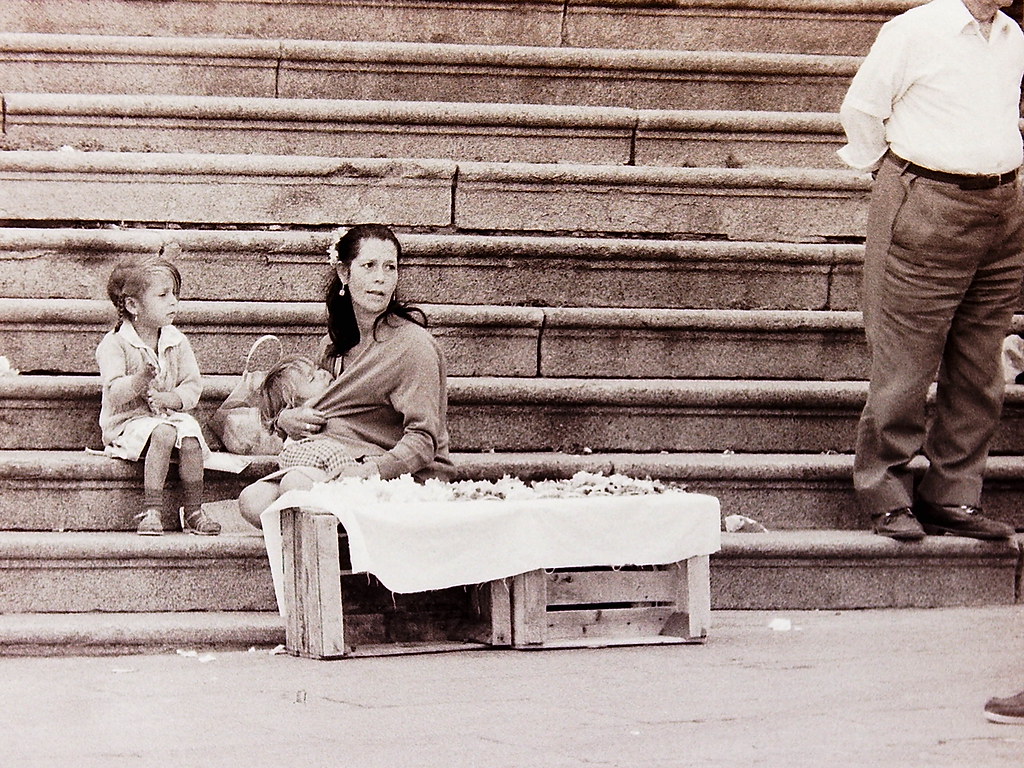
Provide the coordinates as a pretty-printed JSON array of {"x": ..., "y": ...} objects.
[{"x": 862, "y": 688}]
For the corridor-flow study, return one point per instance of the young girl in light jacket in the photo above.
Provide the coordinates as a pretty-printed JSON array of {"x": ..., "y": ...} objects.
[{"x": 150, "y": 380}]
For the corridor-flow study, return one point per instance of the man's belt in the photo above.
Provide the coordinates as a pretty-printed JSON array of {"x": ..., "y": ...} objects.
[{"x": 990, "y": 181}]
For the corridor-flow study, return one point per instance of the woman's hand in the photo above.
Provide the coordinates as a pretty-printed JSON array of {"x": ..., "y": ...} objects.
[
  {"x": 301, "y": 421},
  {"x": 363, "y": 469}
]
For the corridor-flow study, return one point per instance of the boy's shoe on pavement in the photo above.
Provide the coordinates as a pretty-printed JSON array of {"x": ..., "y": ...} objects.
[
  {"x": 899, "y": 524},
  {"x": 1008, "y": 710},
  {"x": 200, "y": 523},
  {"x": 150, "y": 523}
]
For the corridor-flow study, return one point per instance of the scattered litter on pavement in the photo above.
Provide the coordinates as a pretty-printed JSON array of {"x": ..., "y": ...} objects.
[
  {"x": 743, "y": 524},
  {"x": 278, "y": 650},
  {"x": 201, "y": 658},
  {"x": 780, "y": 625}
]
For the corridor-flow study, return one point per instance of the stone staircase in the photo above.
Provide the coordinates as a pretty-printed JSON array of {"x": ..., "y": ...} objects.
[{"x": 624, "y": 219}]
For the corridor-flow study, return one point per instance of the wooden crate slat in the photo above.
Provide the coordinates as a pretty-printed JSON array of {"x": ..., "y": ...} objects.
[
  {"x": 698, "y": 601},
  {"x": 330, "y": 634},
  {"x": 612, "y": 586},
  {"x": 613, "y": 622},
  {"x": 314, "y": 625},
  {"x": 610, "y": 641},
  {"x": 291, "y": 546},
  {"x": 529, "y": 608},
  {"x": 493, "y": 604},
  {"x": 407, "y": 649}
]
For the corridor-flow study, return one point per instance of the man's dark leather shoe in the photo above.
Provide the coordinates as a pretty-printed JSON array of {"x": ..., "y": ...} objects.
[
  {"x": 1008, "y": 710},
  {"x": 899, "y": 524},
  {"x": 962, "y": 520}
]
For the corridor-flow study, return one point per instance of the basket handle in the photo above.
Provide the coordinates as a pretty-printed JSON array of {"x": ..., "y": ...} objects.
[{"x": 256, "y": 345}]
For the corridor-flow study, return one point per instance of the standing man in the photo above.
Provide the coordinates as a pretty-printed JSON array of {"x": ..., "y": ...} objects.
[{"x": 933, "y": 113}]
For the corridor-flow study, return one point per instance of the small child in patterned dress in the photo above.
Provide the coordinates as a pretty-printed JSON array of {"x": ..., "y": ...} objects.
[
  {"x": 150, "y": 380},
  {"x": 292, "y": 381}
]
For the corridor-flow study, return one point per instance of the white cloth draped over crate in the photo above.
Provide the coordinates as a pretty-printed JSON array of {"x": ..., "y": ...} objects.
[{"x": 420, "y": 546}]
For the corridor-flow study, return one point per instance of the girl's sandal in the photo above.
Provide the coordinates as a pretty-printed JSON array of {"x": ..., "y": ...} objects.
[
  {"x": 200, "y": 524},
  {"x": 150, "y": 523}
]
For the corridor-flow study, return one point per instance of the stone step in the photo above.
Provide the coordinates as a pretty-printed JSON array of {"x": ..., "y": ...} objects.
[
  {"x": 60, "y": 336},
  {"x": 310, "y": 69},
  {"x": 453, "y": 269},
  {"x": 160, "y": 188},
  {"x": 530, "y": 133},
  {"x": 80, "y": 491},
  {"x": 87, "y": 572},
  {"x": 77, "y": 491},
  {"x": 106, "y": 633},
  {"x": 529, "y": 414},
  {"x": 797, "y": 26},
  {"x": 536, "y": 414},
  {"x": 75, "y": 573},
  {"x": 856, "y": 569},
  {"x": 800, "y": 26}
]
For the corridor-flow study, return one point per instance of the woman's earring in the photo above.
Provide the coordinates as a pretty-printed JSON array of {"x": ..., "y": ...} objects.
[{"x": 341, "y": 290}]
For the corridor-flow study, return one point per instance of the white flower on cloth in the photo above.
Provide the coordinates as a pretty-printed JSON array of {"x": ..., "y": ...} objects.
[{"x": 507, "y": 488}]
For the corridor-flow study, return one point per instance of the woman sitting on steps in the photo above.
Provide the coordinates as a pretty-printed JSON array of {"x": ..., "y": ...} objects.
[{"x": 388, "y": 400}]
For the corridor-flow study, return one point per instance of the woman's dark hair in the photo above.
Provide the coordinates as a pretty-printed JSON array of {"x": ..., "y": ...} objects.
[{"x": 341, "y": 317}]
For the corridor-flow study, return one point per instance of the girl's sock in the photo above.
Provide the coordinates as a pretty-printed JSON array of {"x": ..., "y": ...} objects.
[
  {"x": 191, "y": 497},
  {"x": 153, "y": 498}
]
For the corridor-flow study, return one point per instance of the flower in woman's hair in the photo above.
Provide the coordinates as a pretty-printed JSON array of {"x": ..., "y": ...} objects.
[{"x": 332, "y": 249}]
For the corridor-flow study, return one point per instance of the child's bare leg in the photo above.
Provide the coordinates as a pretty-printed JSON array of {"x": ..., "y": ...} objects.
[
  {"x": 158, "y": 458},
  {"x": 154, "y": 473},
  {"x": 257, "y": 497},
  {"x": 302, "y": 479},
  {"x": 190, "y": 469}
]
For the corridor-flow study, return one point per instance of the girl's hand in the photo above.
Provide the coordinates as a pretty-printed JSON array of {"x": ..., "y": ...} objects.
[
  {"x": 144, "y": 377},
  {"x": 301, "y": 421},
  {"x": 163, "y": 402}
]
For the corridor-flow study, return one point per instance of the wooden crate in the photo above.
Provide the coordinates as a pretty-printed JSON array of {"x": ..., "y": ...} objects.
[
  {"x": 599, "y": 606},
  {"x": 331, "y": 612}
]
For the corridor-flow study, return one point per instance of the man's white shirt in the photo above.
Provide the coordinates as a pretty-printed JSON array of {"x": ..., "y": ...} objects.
[{"x": 937, "y": 93}]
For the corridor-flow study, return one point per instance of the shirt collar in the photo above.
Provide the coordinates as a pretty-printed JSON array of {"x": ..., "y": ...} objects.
[
  {"x": 958, "y": 18},
  {"x": 169, "y": 337}
]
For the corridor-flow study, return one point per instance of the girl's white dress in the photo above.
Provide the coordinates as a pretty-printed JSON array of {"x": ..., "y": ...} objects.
[{"x": 133, "y": 439}]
